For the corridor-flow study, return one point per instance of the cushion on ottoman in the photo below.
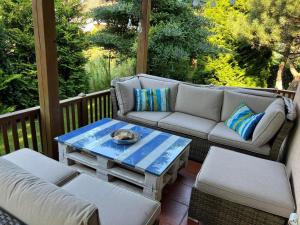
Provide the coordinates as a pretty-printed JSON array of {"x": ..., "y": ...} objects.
[
  {"x": 35, "y": 201},
  {"x": 42, "y": 166},
  {"x": 246, "y": 180},
  {"x": 117, "y": 206}
]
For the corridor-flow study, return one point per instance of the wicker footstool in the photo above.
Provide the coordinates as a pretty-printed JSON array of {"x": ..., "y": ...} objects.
[{"x": 237, "y": 189}]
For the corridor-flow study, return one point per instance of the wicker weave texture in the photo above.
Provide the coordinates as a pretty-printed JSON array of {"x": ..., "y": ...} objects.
[
  {"x": 212, "y": 210},
  {"x": 8, "y": 219}
]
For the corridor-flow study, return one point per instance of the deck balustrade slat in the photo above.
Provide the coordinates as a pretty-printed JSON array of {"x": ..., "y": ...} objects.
[
  {"x": 33, "y": 132},
  {"x": 91, "y": 110},
  {"x": 5, "y": 139},
  {"x": 96, "y": 109},
  {"x": 68, "y": 119},
  {"x": 100, "y": 107},
  {"x": 104, "y": 105},
  {"x": 24, "y": 133},
  {"x": 14, "y": 128},
  {"x": 109, "y": 106},
  {"x": 73, "y": 116}
]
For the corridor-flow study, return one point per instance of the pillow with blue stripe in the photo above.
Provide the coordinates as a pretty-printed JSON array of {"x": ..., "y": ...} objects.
[
  {"x": 156, "y": 100},
  {"x": 243, "y": 121}
]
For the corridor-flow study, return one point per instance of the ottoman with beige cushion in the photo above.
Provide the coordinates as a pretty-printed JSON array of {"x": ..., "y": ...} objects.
[
  {"x": 237, "y": 189},
  {"x": 30, "y": 193}
]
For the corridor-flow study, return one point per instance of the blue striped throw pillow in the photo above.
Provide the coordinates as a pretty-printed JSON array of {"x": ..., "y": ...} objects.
[
  {"x": 156, "y": 100},
  {"x": 243, "y": 121}
]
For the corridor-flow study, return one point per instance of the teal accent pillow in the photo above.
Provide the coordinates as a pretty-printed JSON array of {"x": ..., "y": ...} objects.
[
  {"x": 243, "y": 121},
  {"x": 156, "y": 100}
]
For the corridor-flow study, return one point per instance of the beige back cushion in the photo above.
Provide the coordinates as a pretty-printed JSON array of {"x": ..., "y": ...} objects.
[
  {"x": 198, "y": 101},
  {"x": 270, "y": 124},
  {"x": 233, "y": 99},
  {"x": 37, "y": 202},
  {"x": 125, "y": 94},
  {"x": 148, "y": 81}
]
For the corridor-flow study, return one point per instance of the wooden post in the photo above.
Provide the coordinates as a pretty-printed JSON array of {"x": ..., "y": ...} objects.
[
  {"x": 142, "y": 49},
  {"x": 46, "y": 59}
]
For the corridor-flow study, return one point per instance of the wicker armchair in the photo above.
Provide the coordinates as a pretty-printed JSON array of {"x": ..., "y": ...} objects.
[{"x": 200, "y": 147}]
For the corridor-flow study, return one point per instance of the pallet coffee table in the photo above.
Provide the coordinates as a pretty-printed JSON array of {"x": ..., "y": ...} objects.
[{"x": 146, "y": 166}]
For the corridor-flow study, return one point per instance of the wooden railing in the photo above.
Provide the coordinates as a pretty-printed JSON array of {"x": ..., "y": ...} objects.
[{"x": 22, "y": 128}]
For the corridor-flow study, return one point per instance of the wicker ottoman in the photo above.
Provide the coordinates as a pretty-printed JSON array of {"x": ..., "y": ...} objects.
[{"x": 237, "y": 189}]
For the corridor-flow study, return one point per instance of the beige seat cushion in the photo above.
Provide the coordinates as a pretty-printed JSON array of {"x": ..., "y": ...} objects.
[
  {"x": 125, "y": 94},
  {"x": 116, "y": 205},
  {"x": 270, "y": 124},
  {"x": 246, "y": 180},
  {"x": 149, "y": 81},
  {"x": 42, "y": 166},
  {"x": 149, "y": 118},
  {"x": 36, "y": 202},
  {"x": 233, "y": 99},
  {"x": 198, "y": 101},
  {"x": 187, "y": 124},
  {"x": 223, "y": 135}
]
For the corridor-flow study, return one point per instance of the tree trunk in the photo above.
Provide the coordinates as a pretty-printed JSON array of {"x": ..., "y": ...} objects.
[
  {"x": 280, "y": 72},
  {"x": 281, "y": 68},
  {"x": 294, "y": 84}
]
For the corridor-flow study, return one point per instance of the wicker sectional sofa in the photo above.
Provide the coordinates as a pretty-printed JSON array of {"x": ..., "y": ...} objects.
[{"x": 198, "y": 112}]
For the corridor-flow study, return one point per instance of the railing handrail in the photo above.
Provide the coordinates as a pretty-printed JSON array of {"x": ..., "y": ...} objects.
[{"x": 20, "y": 113}]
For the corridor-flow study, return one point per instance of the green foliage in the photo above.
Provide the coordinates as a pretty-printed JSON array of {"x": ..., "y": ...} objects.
[
  {"x": 240, "y": 64},
  {"x": 116, "y": 36},
  {"x": 177, "y": 35},
  {"x": 17, "y": 52},
  {"x": 101, "y": 71}
]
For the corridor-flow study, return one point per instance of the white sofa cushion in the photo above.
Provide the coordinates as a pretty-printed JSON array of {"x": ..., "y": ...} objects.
[
  {"x": 223, "y": 135},
  {"x": 41, "y": 166},
  {"x": 36, "y": 202},
  {"x": 187, "y": 124},
  {"x": 246, "y": 180},
  {"x": 199, "y": 101},
  {"x": 149, "y": 118},
  {"x": 116, "y": 205},
  {"x": 270, "y": 124},
  {"x": 233, "y": 99},
  {"x": 125, "y": 94},
  {"x": 148, "y": 81}
]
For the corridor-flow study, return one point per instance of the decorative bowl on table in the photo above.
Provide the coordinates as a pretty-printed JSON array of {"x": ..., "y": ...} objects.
[{"x": 125, "y": 137}]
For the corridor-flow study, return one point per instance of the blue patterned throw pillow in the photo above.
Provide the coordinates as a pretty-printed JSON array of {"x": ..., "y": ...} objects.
[
  {"x": 243, "y": 121},
  {"x": 156, "y": 100}
]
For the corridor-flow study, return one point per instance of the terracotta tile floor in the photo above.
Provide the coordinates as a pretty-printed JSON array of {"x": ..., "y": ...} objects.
[{"x": 176, "y": 197}]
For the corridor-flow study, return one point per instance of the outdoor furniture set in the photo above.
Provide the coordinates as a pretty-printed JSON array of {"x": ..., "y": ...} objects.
[
  {"x": 184, "y": 121},
  {"x": 231, "y": 188}
]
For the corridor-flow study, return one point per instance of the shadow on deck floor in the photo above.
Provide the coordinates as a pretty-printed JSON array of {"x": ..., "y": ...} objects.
[{"x": 176, "y": 197}]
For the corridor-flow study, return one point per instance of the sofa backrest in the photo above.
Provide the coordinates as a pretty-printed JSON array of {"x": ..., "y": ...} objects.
[
  {"x": 199, "y": 101},
  {"x": 36, "y": 202},
  {"x": 149, "y": 81},
  {"x": 233, "y": 99}
]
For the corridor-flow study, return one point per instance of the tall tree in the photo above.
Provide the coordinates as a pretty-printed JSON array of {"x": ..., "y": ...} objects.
[
  {"x": 276, "y": 24},
  {"x": 177, "y": 35},
  {"x": 239, "y": 64},
  {"x": 19, "y": 65}
]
